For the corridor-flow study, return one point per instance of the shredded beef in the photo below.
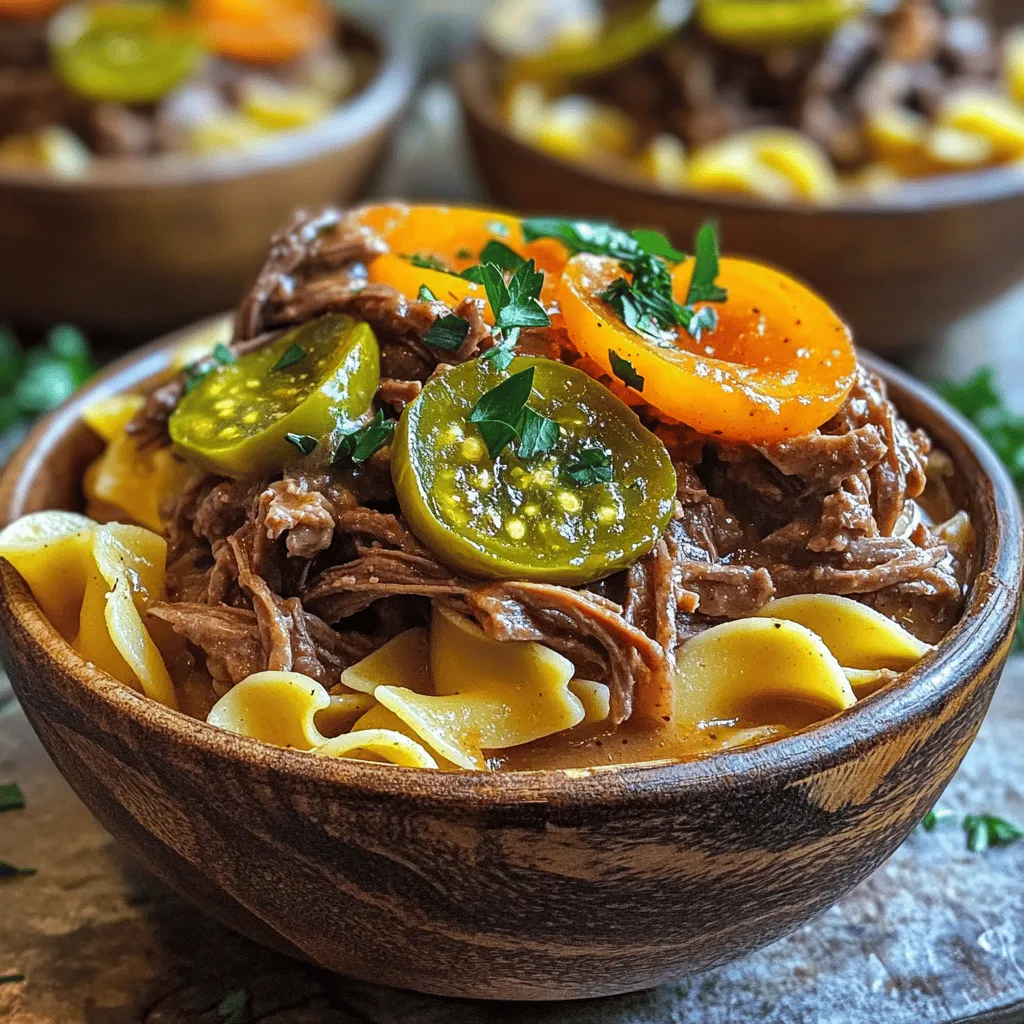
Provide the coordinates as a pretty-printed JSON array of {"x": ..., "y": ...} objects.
[{"x": 312, "y": 568}]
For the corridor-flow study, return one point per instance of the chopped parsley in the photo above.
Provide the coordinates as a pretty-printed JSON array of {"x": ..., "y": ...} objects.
[
  {"x": 235, "y": 1007},
  {"x": 11, "y": 797},
  {"x": 623, "y": 369},
  {"x": 305, "y": 443},
  {"x": 595, "y": 237},
  {"x": 10, "y": 871},
  {"x": 223, "y": 354},
  {"x": 291, "y": 355},
  {"x": 427, "y": 263},
  {"x": 934, "y": 818},
  {"x": 592, "y": 466},
  {"x": 501, "y": 256},
  {"x": 500, "y": 356},
  {"x": 10, "y": 979},
  {"x": 447, "y": 332},
  {"x": 985, "y": 830},
  {"x": 656, "y": 244},
  {"x": 502, "y": 416},
  {"x": 362, "y": 443},
  {"x": 425, "y": 294},
  {"x": 705, "y": 268}
]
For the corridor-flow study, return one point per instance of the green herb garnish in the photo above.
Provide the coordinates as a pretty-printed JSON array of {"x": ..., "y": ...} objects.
[
  {"x": 362, "y": 443},
  {"x": 10, "y": 871},
  {"x": 425, "y": 294},
  {"x": 592, "y": 466},
  {"x": 934, "y": 818},
  {"x": 502, "y": 416},
  {"x": 447, "y": 332},
  {"x": 985, "y": 830},
  {"x": 11, "y": 797},
  {"x": 428, "y": 263},
  {"x": 623, "y": 369},
  {"x": 223, "y": 354},
  {"x": 234, "y": 1008},
  {"x": 305, "y": 443},
  {"x": 703, "y": 319},
  {"x": 500, "y": 356},
  {"x": 501, "y": 256},
  {"x": 9, "y": 979},
  {"x": 291, "y": 355},
  {"x": 656, "y": 244},
  {"x": 705, "y": 268}
]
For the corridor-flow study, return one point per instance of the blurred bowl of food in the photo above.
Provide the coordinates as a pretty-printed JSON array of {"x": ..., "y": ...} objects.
[
  {"x": 878, "y": 156},
  {"x": 146, "y": 153}
]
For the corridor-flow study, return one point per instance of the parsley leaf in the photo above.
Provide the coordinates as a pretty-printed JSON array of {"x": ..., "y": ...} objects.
[
  {"x": 425, "y": 294},
  {"x": 426, "y": 262},
  {"x": 10, "y": 871},
  {"x": 223, "y": 354},
  {"x": 703, "y": 319},
  {"x": 623, "y": 369},
  {"x": 592, "y": 466},
  {"x": 235, "y": 1007},
  {"x": 447, "y": 332},
  {"x": 291, "y": 355},
  {"x": 656, "y": 244},
  {"x": 538, "y": 434},
  {"x": 705, "y": 268},
  {"x": 11, "y": 797},
  {"x": 9, "y": 979},
  {"x": 500, "y": 356},
  {"x": 583, "y": 236},
  {"x": 501, "y": 256},
  {"x": 362, "y": 443},
  {"x": 985, "y": 830},
  {"x": 306, "y": 443},
  {"x": 502, "y": 416},
  {"x": 515, "y": 304},
  {"x": 931, "y": 821}
]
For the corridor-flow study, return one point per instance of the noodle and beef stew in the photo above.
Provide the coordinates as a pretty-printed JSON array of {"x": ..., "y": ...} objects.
[{"x": 469, "y": 491}]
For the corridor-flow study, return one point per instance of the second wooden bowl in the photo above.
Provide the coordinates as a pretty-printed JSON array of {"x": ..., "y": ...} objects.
[
  {"x": 139, "y": 246},
  {"x": 533, "y": 885},
  {"x": 898, "y": 270}
]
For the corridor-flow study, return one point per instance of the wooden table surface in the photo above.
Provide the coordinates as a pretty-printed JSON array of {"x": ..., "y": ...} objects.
[{"x": 935, "y": 936}]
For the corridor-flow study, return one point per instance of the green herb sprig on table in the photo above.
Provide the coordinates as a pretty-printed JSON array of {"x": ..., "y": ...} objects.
[
  {"x": 980, "y": 399},
  {"x": 11, "y": 797},
  {"x": 10, "y": 871},
  {"x": 981, "y": 830}
]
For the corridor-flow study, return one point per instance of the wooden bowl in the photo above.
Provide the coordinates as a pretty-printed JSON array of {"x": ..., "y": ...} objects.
[
  {"x": 898, "y": 269},
  {"x": 140, "y": 246},
  {"x": 533, "y": 885}
]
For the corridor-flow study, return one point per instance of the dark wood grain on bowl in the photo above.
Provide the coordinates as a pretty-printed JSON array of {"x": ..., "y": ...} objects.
[
  {"x": 897, "y": 270},
  {"x": 140, "y": 246},
  {"x": 538, "y": 885}
]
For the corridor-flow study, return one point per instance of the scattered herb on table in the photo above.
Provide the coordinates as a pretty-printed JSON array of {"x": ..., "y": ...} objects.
[
  {"x": 981, "y": 401},
  {"x": 10, "y": 979},
  {"x": 360, "y": 444},
  {"x": 985, "y": 830},
  {"x": 10, "y": 871},
  {"x": 11, "y": 797},
  {"x": 936, "y": 817},
  {"x": 235, "y": 1007}
]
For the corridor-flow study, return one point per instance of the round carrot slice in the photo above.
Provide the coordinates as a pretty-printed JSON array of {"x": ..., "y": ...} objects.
[
  {"x": 778, "y": 364},
  {"x": 432, "y": 246},
  {"x": 263, "y": 31}
]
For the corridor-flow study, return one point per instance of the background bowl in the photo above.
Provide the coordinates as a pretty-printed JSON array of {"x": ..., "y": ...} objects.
[
  {"x": 898, "y": 269},
  {"x": 139, "y": 246},
  {"x": 533, "y": 885}
]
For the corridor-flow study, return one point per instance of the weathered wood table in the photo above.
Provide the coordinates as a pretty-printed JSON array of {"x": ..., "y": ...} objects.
[{"x": 935, "y": 936}]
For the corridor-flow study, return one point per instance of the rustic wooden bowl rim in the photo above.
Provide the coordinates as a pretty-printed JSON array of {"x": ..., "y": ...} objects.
[
  {"x": 375, "y": 105},
  {"x": 986, "y": 625},
  {"x": 949, "y": 190}
]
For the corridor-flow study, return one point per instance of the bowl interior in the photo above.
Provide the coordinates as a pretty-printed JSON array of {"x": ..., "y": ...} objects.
[{"x": 46, "y": 473}]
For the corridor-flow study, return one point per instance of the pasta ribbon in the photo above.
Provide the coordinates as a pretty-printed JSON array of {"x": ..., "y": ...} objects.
[
  {"x": 379, "y": 745},
  {"x": 751, "y": 671},
  {"x": 858, "y": 636},
  {"x": 129, "y": 480},
  {"x": 93, "y": 584},
  {"x": 595, "y": 698}
]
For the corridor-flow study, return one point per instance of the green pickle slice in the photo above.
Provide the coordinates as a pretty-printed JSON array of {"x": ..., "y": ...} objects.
[
  {"x": 541, "y": 518},
  {"x": 126, "y": 53},
  {"x": 313, "y": 382}
]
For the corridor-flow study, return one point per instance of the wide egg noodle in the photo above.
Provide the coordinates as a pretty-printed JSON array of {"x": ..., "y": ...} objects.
[
  {"x": 858, "y": 636},
  {"x": 92, "y": 583},
  {"x": 275, "y": 707},
  {"x": 128, "y": 480},
  {"x": 379, "y": 745},
  {"x": 595, "y": 698},
  {"x": 754, "y": 671}
]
